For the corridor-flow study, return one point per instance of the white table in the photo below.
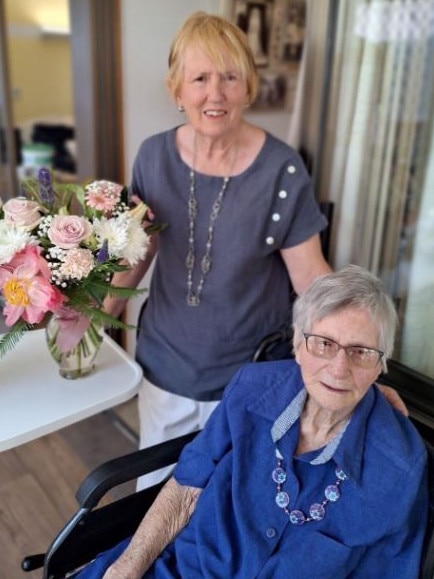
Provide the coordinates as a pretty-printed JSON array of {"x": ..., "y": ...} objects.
[{"x": 35, "y": 400}]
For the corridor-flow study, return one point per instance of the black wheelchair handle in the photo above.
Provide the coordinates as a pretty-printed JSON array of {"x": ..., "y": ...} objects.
[{"x": 33, "y": 562}]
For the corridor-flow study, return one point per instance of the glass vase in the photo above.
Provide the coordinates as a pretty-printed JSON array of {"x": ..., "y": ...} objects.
[{"x": 73, "y": 341}]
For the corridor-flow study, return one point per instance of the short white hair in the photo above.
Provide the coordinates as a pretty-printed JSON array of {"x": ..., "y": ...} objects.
[{"x": 351, "y": 287}]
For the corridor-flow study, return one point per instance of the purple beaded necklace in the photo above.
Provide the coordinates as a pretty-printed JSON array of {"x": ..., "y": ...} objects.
[
  {"x": 332, "y": 492},
  {"x": 317, "y": 511}
]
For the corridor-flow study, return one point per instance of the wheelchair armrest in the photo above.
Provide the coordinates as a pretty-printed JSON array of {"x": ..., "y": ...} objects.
[
  {"x": 284, "y": 335},
  {"x": 128, "y": 467}
]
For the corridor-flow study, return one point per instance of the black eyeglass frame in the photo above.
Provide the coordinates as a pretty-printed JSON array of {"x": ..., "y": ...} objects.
[{"x": 340, "y": 347}]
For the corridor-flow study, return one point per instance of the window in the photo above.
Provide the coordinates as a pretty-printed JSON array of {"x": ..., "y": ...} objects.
[{"x": 377, "y": 160}]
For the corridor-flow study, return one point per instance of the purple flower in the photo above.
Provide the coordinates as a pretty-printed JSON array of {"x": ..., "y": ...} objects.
[
  {"x": 45, "y": 187},
  {"x": 103, "y": 254}
]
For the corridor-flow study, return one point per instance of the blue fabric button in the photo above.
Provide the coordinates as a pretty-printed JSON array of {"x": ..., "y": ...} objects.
[{"x": 271, "y": 532}]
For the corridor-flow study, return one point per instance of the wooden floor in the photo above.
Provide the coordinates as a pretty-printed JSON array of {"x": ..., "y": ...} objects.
[{"x": 38, "y": 482}]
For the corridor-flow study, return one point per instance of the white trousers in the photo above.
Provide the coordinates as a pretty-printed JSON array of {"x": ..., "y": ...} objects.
[{"x": 164, "y": 416}]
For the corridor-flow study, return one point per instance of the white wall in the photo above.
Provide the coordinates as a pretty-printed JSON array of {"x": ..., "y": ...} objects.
[
  {"x": 147, "y": 31},
  {"x": 148, "y": 27}
]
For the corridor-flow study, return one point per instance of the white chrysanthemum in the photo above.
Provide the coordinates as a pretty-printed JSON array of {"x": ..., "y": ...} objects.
[
  {"x": 138, "y": 243},
  {"x": 12, "y": 240},
  {"x": 125, "y": 237},
  {"x": 115, "y": 232}
]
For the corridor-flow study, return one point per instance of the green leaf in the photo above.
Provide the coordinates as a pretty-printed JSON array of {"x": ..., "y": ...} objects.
[
  {"x": 124, "y": 292},
  {"x": 98, "y": 316},
  {"x": 10, "y": 340}
]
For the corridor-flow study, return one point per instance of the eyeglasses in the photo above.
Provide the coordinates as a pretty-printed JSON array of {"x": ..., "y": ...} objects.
[{"x": 357, "y": 356}]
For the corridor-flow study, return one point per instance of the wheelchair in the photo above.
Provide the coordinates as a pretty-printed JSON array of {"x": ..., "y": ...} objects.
[{"x": 93, "y": 530}]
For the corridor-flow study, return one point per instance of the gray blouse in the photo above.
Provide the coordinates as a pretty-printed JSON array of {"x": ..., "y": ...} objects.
[{"x": 194, "y": 351}]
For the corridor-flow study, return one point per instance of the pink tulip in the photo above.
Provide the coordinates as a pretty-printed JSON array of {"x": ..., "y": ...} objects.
[{"x": 25, "y": 285}]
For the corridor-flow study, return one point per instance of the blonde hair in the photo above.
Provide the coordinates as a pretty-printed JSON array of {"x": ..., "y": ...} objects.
[{"x": 220, "y": 40}]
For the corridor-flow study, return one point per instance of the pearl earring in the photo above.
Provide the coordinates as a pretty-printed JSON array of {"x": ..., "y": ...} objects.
[{"x": 181, "y": 109}]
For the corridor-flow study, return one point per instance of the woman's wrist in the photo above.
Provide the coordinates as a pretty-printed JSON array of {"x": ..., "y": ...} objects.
[{"x": 130, "y": 565}]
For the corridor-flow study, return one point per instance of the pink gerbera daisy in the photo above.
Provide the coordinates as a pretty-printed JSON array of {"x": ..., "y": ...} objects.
[{"x": 103, "y": 195}]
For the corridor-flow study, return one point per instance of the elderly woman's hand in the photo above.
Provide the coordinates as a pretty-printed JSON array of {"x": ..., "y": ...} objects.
[{"x": 393, "y": 398}]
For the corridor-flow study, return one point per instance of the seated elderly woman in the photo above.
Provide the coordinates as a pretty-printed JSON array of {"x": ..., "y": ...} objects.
[{"x": 304, "y": 469}]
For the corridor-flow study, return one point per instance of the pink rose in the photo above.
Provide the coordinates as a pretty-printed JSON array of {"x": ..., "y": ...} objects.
[
  {"x": 68, "y": 231},
  {"x": 22, "y": 212}
]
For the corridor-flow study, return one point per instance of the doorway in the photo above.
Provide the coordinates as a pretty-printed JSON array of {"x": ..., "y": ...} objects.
[{"x": 78, "y": 91}]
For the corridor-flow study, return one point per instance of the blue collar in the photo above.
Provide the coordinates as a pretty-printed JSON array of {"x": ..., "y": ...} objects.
[
  {"x": 287, "y": 419},
  {"x": 285, "y": 389}
]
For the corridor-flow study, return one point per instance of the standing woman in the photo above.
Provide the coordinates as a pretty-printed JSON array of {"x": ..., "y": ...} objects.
[{"x": 243, "y": 232}]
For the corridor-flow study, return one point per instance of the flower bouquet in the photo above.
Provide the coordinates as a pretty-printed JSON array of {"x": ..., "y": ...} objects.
[{"x": 60, "y": 245}]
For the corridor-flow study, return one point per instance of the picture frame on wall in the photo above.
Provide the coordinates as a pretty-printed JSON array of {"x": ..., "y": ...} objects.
[{"x": 275, "y": 30}]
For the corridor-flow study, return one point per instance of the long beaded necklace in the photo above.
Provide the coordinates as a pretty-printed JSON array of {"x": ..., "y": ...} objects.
[
  {"x": 317, "y": 511},
  {"x": 194, "y": 296}
]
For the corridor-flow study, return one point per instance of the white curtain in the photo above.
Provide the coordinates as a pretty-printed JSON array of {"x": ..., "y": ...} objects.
[
  {"x": 375, "y": 93},
  {"x": 417, "y": 348},
  {"x": 378, "y": 129}
]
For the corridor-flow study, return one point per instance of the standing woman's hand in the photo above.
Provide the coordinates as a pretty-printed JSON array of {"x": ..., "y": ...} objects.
[{"x": 393, "y": 398}]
